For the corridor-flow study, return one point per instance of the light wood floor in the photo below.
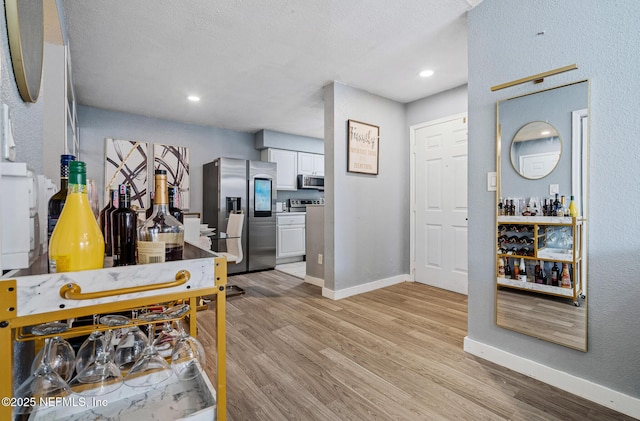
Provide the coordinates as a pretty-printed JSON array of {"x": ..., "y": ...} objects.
[{"x": 392, "y": 354}]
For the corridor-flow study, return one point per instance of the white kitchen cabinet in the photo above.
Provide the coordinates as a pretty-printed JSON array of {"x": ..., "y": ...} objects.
[
  {"x": 310, "y": 163},
  {"x": 290, "y": 240},
  {"x": 287, "y": 175}
]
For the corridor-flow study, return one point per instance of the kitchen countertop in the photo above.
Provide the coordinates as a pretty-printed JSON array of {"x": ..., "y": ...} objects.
[{"x": 291, "y": 213}]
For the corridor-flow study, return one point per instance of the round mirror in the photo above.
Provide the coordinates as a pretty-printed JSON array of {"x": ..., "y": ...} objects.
[
  {"x": 535, "y": 150},
  {"x": 26, "y": 32}
]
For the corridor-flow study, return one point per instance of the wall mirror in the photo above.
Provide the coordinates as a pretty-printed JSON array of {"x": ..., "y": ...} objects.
[
  {"x": 25, "y": 27},
  {"x": 543, "y": 137},
  {"x": 535, "y": 150}
]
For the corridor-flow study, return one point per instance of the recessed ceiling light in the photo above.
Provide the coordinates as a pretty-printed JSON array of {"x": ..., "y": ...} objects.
[
  {"x": 426, "y": 73},
  {"x": 193, "y": 98}
]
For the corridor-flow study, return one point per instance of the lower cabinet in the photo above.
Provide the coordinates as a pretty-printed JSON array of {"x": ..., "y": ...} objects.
[{"x": 291, "y": 235}]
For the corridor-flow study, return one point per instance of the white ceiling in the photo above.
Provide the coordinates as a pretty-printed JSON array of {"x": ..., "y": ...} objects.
[{"x": 260, "y": 64}]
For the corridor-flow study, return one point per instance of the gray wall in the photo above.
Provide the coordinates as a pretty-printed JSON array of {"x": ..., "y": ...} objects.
[
  {"x": 602, "y": 39},
  {"x": 271, "y": 139},
  {"x": 366, "y": 216},
  {"x": 205, "y": 143},
  {"x": 444, "y": 104},
  {"x": 27, "y": 118}
]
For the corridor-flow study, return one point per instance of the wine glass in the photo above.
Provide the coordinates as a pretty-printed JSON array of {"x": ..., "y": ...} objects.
[
  {"x": 130, "y": 348},
  {"x": 188, "y": 357},
  {"x": 44, "y": 382},
  {"x": 96, "y": 343},
  {"x": 101, "y": 375},
  {"x": 62, "y": 358},
  {"x": 151, "y": 368}
]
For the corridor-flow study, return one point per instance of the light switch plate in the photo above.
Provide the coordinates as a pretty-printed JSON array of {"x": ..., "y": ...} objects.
[
  {"x": 491, "y": 181},
  {"x": 554, "y": 189}
]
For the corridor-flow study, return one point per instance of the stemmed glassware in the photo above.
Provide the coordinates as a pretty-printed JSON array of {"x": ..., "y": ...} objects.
[
  {"x": 62, "y": 358},
  {"x": 130, "y": 348},
  {"x": 188, "y": 357},
  {"x": 101, "y": 375},
  {"x": 44, "y": 382},
  {"x": 150, "y": 368}
]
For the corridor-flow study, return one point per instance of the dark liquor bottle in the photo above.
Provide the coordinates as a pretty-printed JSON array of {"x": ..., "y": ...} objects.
[
  {"x": 149, "y": 210},
  {"x": 123, "y": 229},
  {"x": 556, "y": 206},
  {"x": 105, "y": 221},
  {"x": 538, "y": 272},
  {"x": 56, "y": 202},
  {"x": 161, "y": 237},
  {"x": 173, "y": 209},
  {"x": 555, "y": 273},
  {"x": 507, "y": 269}
]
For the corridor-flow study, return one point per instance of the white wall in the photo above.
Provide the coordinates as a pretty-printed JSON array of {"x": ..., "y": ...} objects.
[
  {"x": 602, "y": 39},
  {"x": 366, "y": 216},
  {"x": 205, "y": 143}
]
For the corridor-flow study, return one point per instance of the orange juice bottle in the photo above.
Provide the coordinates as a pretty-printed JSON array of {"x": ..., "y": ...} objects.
[{"x": 76, "y": 242}]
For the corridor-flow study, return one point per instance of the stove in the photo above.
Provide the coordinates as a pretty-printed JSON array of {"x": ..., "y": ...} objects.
[{"x": 300, "y": 205}]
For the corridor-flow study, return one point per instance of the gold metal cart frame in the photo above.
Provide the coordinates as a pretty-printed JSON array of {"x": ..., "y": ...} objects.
[{"x": 116, "y": 300}]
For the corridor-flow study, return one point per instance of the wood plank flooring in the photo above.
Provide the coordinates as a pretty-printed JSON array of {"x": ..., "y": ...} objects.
[{"x": 391, "y": 354}]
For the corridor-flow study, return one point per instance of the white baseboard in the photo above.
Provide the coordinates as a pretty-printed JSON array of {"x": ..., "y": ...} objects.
[
  {"x": 578, "y": 386},
  {"x": 314, "y": 281},
  {"x": 359, "y": 289}
]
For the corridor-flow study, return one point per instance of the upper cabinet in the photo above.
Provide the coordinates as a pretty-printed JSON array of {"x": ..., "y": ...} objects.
[
  {"x": 310, "y": 163},
  {"x": 287, "y": 167}
]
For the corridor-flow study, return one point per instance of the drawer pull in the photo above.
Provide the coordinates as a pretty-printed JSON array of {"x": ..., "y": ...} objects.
[{"x": 72, "y": 291}]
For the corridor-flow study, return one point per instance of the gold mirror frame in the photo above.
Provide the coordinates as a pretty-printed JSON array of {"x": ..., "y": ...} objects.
[
  {"x": 25, "y": 26},
  {"x": 524, "y": 134},
  {"x": 577, "y": 180}
]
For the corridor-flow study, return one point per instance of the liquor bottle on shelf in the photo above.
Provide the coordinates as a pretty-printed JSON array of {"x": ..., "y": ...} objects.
[
  {"x": 76, "y": 242},
  {"x": 565, "y": 278},
  {"x": 507, "y": 269},
  {"x": 105, "y": 220},
  {"x": 123, "y": 229},
  {"x": 500, "y": 208},
  {"x": 538, "y": 272},
  {"x": 516, "y": 270},
  {"x": 556, "y": 206},
  {"x": 501, "y": 271},
  {"x": 56, "y": 202},
  {"x": 555, "y": 273},
  {"x": 522, "y": 275},
  {"x": 173, "y": 209},
  {"x": 573, "y": 209},
  {"x": 149, "y": 209},
  {"x": 562, "y": 208},
  {"x": 161, "y": 237}
]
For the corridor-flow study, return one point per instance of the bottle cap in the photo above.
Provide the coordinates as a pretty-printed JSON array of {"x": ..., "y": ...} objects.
[
  {"x": 77, "y": 172},
  {"x": 65, "y": 159},
  {"x": 161, "y": 171}
]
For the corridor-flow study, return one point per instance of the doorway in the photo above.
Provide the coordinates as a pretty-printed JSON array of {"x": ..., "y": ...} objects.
[{"x": 439, "y": 203}]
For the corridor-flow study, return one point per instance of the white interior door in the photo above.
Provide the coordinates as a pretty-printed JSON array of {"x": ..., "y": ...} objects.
[{"x": 440, "y": 203}]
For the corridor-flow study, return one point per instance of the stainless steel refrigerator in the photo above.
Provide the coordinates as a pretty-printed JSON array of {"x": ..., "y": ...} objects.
[{"x": 231, "y": 184}]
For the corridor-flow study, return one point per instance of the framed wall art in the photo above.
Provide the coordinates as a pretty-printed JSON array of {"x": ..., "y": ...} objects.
[
  {"x": 363, "y": 142},
  {"x": 175, "y": 160},
  {"x": 127, "y": 163}
]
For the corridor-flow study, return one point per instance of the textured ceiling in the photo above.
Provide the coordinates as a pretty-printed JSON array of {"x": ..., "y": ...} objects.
[{"x": 260, "y": 64}]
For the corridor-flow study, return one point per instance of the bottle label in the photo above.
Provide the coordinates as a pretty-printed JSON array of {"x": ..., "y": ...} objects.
[
  {"x": 522, "y": 277},
  {"x": 60, "y": 264},
  {"x": 150, "y": 252}
]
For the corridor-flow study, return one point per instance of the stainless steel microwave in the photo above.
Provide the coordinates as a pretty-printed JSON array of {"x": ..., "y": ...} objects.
[{"x": 310, "y": 182}]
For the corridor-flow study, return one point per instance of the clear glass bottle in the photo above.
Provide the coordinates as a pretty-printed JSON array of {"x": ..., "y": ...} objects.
[
  {"x": 123, "y": 229},
  {"x": 76, "y": 242},
  {"x": 161, "y": 237},
  {"x": 105, "y": 221},
  {"x": 56, "y": 202}
]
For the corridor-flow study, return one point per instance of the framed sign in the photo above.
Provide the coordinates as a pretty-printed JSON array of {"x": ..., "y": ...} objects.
[{"x": 362, "y": 147}]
